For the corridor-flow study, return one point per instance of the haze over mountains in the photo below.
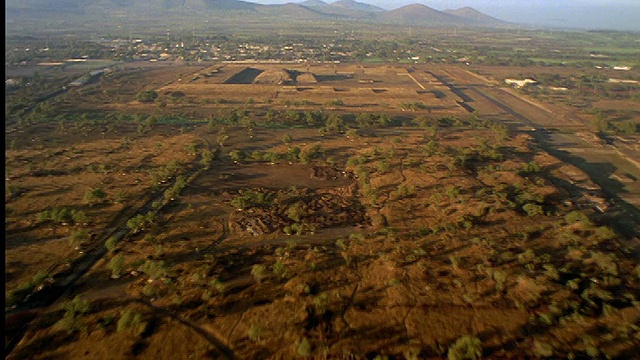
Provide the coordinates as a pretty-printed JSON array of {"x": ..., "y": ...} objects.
[
  {"x": 586, "y": 14},
  {"x": 414, "y": 14}
]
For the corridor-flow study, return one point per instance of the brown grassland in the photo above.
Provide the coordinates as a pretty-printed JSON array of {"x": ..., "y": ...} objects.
[{"x": 443, "y": 230}]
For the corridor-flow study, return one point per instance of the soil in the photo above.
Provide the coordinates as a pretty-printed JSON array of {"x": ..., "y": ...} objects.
[{"x": 393, "y": 242}]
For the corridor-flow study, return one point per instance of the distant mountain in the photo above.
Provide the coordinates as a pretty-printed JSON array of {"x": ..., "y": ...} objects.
[
  {"x": 343, "y": 9},
  {"x": 355, "y": 6},
  {"x": 228, "y": 4},
  {"x": 313, "y": 3},
  {"x": 474, "y": 15},
  {"x": 420, "y": 14},
  {"x": 185, "y": 10},
  {"x": 291, "y": 10}
]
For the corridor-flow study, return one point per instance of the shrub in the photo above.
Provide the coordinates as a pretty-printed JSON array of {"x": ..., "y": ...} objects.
[
  {"x": 237, "y": 155},
  {"x": 252, "y": 198},
  {"x": 607, "y": 262},
  {"x": 155, "y": 269},
  {"x": 21, "y": 291},
  {"x": 296, "y": 212},
  {"x": 128, "y": 319},
  {"x": 287, "y": 138},
  {"x": 218, "y": 285},
  {"x": 605, "y": 233},
  {"x": 78, "y": 237},
  {"x": 304, "y": 347},
  {"x": 139, "y": 222},
  {"x": 151, "y": 290},
  {"x": 531, "y": 168},
  {"x": 321, "y": 303},
  {"x": 73, "y": 319},
  {"x": 95, "y": 196},
  {"x": 254, "y": 332},
  {"x": 58, "y": 214},
  {"x": 258, "y": 272},
  {"x": 280, "y": 269},
  {"x": 111, "y": 243},
  {"x": 116, "y": 264},
  {"x": 147, "y": 96},
  {"x": 466, "y": 347},
  {"x": 542, "y": 349},
  {"x": 335, "y": 102},
  {"x": 577, "y": 216},
  {"x": 533, "y": 209},
  {"x": 207, "y": 158}
]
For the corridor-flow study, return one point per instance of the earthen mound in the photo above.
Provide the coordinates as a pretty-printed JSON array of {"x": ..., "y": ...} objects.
[
  {"x": 274, "y": 77},
  {"x": 307, "y": 78}
]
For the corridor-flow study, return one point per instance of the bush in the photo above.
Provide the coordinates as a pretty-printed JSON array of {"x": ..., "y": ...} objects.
[
  {"x": 321, "y": 303},
  {"x": 280, "y": 269},
  {"x": 237, "y": 155},
  {"x": 147, "y": 96},
  {"x": 207, "y": 158},
  {"x": 335, "y": 102},
  {"x": 116, "y": 264},
  {"x": 61, "y": 214},
  {"x": 252, "y": 198},
  {"x": 287, "y": 138},
  {"x": 254, "y": 332},
  {"x": 605, "y": 233},
  {"x": 73, "y": 319},
  {"x": 128, "y": 319},
  {"x": 466, "y": 347},
  {"x": 155, "y": 269},
  {"x": 95, "y": 196},
  {"x": 151, "y": 290},
  {"x": 21, "y": 291},
  {"x": 258, "y": 272},
  {"x": 140, "y": 222},
  {"x": 531, "y": 168},
  {"x": 304, "y": 347},
  {"x": 296, "y": 212},
  {"x": 533, "y": 209},
  {"x": 78, "y": 237},
  {"x": 577, "y": 216}
]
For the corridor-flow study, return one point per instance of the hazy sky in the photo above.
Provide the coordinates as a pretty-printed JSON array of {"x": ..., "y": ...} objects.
[{"x": 587, "y": 14}]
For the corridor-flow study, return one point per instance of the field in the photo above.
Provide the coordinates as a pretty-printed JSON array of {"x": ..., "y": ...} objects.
[{"x": 328, "y": 211}]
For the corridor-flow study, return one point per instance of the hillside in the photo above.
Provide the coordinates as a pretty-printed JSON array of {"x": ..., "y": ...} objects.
[
  {"x": 313, "y": 3},
  {"x": 474, "y": 15},
  {"x": 174, "y": 11},
  {"x": 355, "y": 5},
  {"x": 290, "y": 10},
  {"x": 420, "y": 14}
]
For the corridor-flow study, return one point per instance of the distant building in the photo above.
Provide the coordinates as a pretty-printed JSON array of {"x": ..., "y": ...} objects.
[{"x": 622, "y": 68}]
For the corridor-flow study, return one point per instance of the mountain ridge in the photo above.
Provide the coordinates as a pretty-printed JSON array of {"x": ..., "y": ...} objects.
[{"x": 414, "y": 14}]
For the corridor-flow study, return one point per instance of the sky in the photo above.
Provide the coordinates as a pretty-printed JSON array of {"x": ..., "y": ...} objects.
[{"x": 581, "y": 14}]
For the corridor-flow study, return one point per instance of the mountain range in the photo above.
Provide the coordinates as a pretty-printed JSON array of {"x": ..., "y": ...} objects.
[{"x": 415, "y": 14}]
